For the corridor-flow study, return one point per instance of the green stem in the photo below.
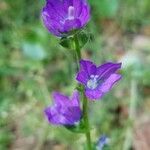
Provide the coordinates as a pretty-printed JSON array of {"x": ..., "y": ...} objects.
[
  {"x": 85, "y": 101},
  {"x": 86, "y": 121},
  {"x": 77, "y": 49}
]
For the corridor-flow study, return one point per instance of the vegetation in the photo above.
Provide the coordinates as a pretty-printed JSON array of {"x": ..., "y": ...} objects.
[{"x": 32, "y": 65}]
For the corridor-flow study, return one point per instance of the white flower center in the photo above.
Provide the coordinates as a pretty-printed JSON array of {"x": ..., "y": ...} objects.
[
  {"x": 93, "y": 82},
  {"x": 71, "y": 13}
]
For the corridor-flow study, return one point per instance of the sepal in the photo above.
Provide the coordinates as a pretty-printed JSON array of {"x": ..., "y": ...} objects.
[
  {"x": 67, "y": 42},
  {"x": 83, "y": 38},
  {"x": 77, "y": 128}
]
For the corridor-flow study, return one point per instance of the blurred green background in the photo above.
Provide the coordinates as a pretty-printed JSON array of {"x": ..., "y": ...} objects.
[{"x": 33, "y": 64}]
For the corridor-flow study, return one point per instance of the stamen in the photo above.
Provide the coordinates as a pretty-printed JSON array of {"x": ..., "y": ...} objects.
[
  {"x": 93, "y": 82},
  {"x": 71, "y": 13}
]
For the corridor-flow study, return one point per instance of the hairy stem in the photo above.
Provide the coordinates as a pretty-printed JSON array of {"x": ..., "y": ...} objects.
[{"x": 85, "y": 101}]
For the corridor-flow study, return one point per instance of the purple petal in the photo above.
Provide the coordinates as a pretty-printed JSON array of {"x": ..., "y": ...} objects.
[
  {"x": 103, "y": 88},
  {"x": 52, "y": 115},
  {"x": 72, "y": 115},
  {"x": 107, "y": 85},
  {"x": 52, "y": 24},
  {"x": 62, "y": 116},
  {"x": 84, "y": 64},
  {"x": 71, "y": 25},
  {"x": 105, "y": 70},
  {"x": 87, "y": 66},
  {"x": 92, "y": 70},
  {"x": 78, "y": 4},
  {"x": 85, "y": 14},
  {"x": 93, "y": 94},
  {"x": 52, "y": 18},
  {"x": 82, "y": 77},
  {"x": 56, "y": 6},
  {"x": 67, "y": 3},
  {"x": 60, "y": 99},
  {"x": 75, "y": 99}
]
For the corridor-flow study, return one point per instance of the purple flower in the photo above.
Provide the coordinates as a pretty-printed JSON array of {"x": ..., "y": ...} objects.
[
  {"x": 65, "y": 111},
  {"x": 103, "y": 140},
  {"x": 97, "y": 80},
  {"x": 63, "y": 16}
]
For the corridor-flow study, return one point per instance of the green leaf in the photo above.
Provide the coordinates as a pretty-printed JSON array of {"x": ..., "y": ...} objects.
[
  {"x": 67, "y": 42},
  {"x": 83, "y": 38}
]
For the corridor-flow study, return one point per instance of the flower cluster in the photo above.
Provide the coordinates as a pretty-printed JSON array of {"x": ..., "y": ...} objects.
[
  {"x": 96, "y": 80},
  {"x": 63, "y": 18}
]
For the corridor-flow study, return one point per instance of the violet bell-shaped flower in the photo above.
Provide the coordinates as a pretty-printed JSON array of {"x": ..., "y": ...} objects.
[
  {"x": 62, "y": 16},
  {"x": 97, "y": 80},
  {"x": 65, "y": 111}
]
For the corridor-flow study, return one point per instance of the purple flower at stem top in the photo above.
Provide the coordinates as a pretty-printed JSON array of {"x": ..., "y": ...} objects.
[
  {"x": 65, "y": 111},
  {"x": 63, "y": 16},
  {"x": 97, "y": 80}
]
